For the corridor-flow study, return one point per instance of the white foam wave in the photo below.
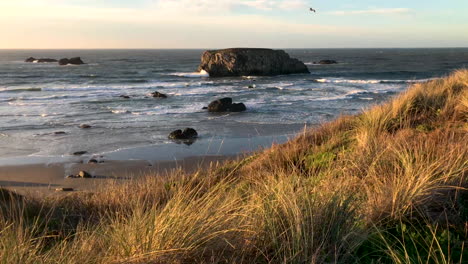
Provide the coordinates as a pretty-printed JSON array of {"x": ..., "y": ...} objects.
[
  {"x": 120, "y": 87},
  {"x": 371, "y": 81},
  {"x": 354, "y": 92},
  {"x": 168, "y": 110},
  {"x": 22, "y": 103},
  {"x": 424, "y": 80},
  {"x": 340, "y": 96},
  {"x": 120, "y": 111},
  {"x": 251, "y": 77},
  {"x": 313, "y": 64},
  {"x": 200, "y": 74},
  {"x": 348, "y": 81}
]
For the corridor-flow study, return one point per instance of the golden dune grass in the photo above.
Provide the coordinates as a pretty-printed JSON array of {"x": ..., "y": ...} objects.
[{"x": 319, "y": 198}]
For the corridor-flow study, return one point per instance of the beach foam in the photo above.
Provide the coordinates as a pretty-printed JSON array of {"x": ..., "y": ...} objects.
[
  {"x": 200, "y": 74},
  {"x": 337, "y": 80},
  {"x": 370, "y": 81}
]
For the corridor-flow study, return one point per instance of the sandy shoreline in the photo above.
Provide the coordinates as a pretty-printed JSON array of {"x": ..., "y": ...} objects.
[
  {"x": 42, "y": 175},
  {"x": 44, "y": 179}
]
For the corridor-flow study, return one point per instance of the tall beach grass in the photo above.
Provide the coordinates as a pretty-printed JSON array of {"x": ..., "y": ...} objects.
[{"x": 388, "y": 185}]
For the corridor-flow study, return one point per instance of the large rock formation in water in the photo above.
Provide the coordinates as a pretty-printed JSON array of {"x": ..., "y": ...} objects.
[
  {"x": 42, "y": 60},
  {"x": 72, "y": 61},
  {"x": 226, "y": 105},
  {"x": 249, "y": 61}
]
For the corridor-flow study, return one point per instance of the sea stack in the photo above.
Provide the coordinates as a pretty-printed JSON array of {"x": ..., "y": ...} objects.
[
  {"x": 42, "y": 60},
  {"x": 249, "y": 61},
  {"x": 71, "y": 61}
]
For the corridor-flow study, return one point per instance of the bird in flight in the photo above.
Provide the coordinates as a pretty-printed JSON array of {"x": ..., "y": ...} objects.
[{"x": 312, "y": 10}]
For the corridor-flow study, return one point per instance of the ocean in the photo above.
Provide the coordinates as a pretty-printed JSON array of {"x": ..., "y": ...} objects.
[{"x": 39, "y": 99}]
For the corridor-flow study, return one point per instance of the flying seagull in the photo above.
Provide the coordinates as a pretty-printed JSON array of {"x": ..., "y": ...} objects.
[{"x": 313, "y": 10}]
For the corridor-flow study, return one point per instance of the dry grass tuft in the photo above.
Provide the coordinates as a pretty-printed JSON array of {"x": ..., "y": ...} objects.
[{"x": 386, "y": 186}]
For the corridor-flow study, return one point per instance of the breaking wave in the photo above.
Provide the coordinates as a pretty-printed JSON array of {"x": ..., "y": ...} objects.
[{"x": 200, "y": 74}]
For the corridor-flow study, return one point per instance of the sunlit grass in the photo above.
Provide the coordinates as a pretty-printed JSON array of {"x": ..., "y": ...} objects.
[{"x": 385, "y": 186}]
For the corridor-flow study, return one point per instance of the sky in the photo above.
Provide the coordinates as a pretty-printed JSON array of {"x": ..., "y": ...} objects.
[{"x": 88, "y": 24}]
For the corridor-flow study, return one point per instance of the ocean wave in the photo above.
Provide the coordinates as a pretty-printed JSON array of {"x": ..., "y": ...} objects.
[
  {"x": 25, "y": 76},
  {"x": 347, "y": 81},
  {"x": 371, "y": 81},
  {"x": 120, "y": 112},
  {"x": 11, "y": 99},
  {"x": 409, "y": 81},
  {"x": 252, "y": 77},
  {"x": 170, "y": 110},
  {"x": 106, "y": 88},
  {"x": 346, "y": 95},
  {"x": 282, "y": 85},
  {"x": 291, "y": 99},
  {"x": 163, "y": 70},
  {"x": 313, "y": 64},
  {"x": 22, "y": 103},
  {"x": 200, "y": 74},
  {"x": 86, "y": 76},
  {"x": 17, "y": 90},
  {"x": 52, "y": 97},
  {"x": 135, "y": 81},
  {"x": 125, "y": 60}
]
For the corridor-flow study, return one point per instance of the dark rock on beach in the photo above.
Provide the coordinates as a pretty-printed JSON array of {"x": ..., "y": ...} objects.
[
  {"x": 226, "y": 105},
  {"x": 158, "y": 95},
  {"x": 60, "y": 133},
  {"x": 84, "y": 174},
  {"x": 326, "y": 62},
  {"x": 64, "y": 189},
  {"x": 220, "y": 105},
  {"x": 81, "y": 174},
  {"x": 79, "y": 153},
  {"x": 30, "y": 59},
  {"x": 249, "y": 61},
  {"x": 125, "y": 96},
  {"x": 188, "y": 133},
  {"x": 72, "y": 61},
  {"x": 85, "y": 126},
  {"x": 238, "y": 107}
]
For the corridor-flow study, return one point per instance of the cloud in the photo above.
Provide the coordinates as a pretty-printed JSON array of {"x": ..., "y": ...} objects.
[
  {"x": 207, "y": 15},
  {"x": 227, "y": 5},
  {"x": 269, "y": 5},
  {"x": 163, "y": 6},
  {"x": 383, "y": 11}
]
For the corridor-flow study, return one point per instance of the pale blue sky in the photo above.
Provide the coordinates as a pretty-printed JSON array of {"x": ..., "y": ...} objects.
[{"x": 229, "y": 23}]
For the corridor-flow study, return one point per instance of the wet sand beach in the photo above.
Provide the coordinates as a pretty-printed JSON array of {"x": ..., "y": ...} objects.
[{"x": 45, "y": 179}]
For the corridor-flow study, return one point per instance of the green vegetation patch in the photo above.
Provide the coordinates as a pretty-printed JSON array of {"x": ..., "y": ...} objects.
[
  {"x": 413, "y": 243},
  {"x": 424, "y": 128},
  {"x": 319, "y": 160}
]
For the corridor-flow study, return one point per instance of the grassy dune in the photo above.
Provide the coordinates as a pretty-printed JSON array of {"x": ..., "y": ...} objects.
[{"x": 385, "y": 186}]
